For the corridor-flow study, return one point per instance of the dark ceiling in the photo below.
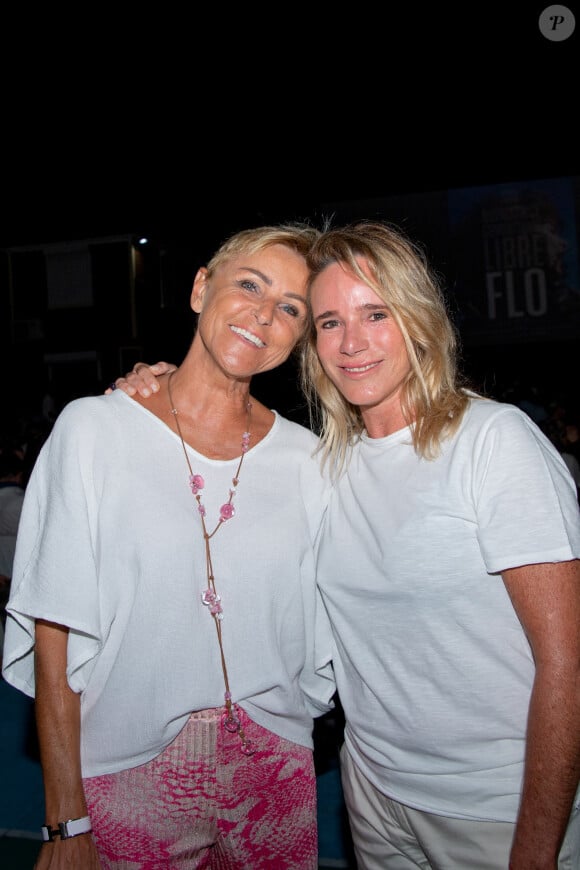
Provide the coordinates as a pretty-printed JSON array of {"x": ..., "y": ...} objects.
[{"x": 174, "y": 127}]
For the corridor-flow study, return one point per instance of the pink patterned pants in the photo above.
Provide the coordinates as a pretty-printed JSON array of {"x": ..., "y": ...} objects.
[{"x": 202, "y": 803}]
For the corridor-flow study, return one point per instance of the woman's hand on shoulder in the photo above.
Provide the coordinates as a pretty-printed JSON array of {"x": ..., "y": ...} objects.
[{"x": 141, "y": 379}]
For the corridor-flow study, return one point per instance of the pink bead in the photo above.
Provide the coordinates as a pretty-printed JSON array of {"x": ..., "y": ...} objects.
[
  {"x": 231, "y": 722},
  {"x": 196, "y": 483},
  {"x": 227, "y": 511},
  {"x": 208, "y": 596}
]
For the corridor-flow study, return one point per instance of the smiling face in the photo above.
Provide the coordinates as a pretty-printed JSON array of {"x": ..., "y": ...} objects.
[
  {"x": 252, "y": 310},
  {"x": 360, "y": 346}
]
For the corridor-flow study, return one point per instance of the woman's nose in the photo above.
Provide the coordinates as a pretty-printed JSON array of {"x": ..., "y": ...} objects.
[
  {"x": 353, "y": 341},
  {"x": 263, "y": 313}
]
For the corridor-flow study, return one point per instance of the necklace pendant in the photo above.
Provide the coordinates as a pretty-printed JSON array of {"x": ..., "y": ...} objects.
[
  {"x": 248, "y": 747},
  {"x": 212, "y": 600},
  {"x": 231, "y": 722}
]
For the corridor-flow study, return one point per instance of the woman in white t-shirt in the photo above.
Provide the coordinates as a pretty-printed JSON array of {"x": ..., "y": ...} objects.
[
  {"x": 449, "y": 568},
  {"x": 163, "y": 602}
]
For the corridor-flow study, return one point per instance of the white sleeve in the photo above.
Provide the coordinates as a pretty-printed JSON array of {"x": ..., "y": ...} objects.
[
  {"x": 54, "y": 576},
  {"x": 527, "y": 507}
]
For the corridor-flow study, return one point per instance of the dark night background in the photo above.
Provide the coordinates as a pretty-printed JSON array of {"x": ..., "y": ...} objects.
[
  {"x": 188, "y": 127},
  {"x": 191, "y": 126}
]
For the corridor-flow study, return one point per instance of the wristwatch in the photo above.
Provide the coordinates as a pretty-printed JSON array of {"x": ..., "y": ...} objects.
[{"x": 65, "y": 830}]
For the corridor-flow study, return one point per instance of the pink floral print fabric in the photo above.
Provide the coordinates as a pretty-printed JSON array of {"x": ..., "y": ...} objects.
[{"x": 202, "y": 803}]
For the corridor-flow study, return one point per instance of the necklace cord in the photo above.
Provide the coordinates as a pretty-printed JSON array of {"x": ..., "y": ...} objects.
[{"x": 230, "y": 719}]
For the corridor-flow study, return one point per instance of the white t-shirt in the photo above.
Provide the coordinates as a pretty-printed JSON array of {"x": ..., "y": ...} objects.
[
  {"x": 110, "y": 544},
  {"x": 433, "y": 669}
]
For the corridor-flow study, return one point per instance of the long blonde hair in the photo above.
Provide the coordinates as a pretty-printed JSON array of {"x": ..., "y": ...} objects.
[{"x": 433, "y": 396}]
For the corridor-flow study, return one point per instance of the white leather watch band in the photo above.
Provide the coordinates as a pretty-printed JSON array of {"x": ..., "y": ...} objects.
[{"x": 65, "y": 830}]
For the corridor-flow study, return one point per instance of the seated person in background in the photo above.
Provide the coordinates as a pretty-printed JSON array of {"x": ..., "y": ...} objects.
[
  {"x": 11, "y": 495},
  {"x": 11, "y": 498}
]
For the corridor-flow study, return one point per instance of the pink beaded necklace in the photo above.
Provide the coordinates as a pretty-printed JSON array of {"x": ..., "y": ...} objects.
[{"x": 209, "y": 596}]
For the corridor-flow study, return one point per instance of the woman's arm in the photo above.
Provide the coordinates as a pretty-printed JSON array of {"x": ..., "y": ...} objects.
[
  {"x": 58, "y": 725},
  {"x": 546, "y": 598}
]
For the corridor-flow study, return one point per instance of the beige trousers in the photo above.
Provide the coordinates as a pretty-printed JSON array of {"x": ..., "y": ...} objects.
[{"x": 388, "y": 835}]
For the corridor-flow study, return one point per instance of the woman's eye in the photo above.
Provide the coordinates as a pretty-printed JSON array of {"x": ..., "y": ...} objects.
[
  {"x": 292, "y": 310},
  {"x": 379, "y": 315},
  {"x": 249, "y": 285}
]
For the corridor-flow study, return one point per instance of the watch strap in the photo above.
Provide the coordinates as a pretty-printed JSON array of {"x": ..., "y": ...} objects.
[{"x": 66, "y": 830}]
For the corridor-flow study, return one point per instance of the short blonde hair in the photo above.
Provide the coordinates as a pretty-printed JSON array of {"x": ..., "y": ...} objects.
[
  {"x": 433, "y": 398},
  {"x": 297, "y": 236}
]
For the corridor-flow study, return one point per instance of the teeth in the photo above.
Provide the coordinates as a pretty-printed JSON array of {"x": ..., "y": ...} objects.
[
  {"x": 359, "y": 368},
  {"x": 253, "y": 338}
]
